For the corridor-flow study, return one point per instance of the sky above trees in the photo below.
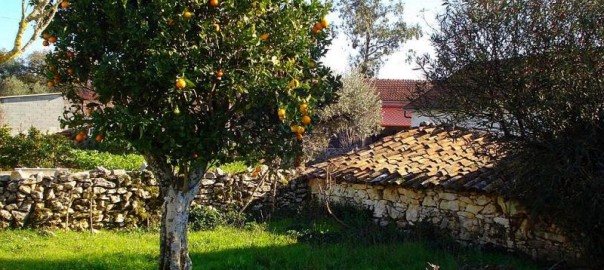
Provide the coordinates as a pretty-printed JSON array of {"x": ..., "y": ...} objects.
[{"x": 337, "y": 58}]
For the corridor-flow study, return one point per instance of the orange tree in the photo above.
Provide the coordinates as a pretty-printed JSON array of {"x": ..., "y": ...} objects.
[{"x": 193, "y": 83}]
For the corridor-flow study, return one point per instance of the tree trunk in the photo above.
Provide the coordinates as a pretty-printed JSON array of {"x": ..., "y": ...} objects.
[{"x": 174, "y": 250}]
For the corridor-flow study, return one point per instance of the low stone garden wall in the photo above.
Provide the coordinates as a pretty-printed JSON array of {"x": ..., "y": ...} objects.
[
  {"x": 115, "y": 198},
  {"x": 468, "y": 217}
]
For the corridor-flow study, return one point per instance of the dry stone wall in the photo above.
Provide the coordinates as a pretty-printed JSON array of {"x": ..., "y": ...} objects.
[
  {"x": 115, "y": 198},
  {"x": 469, "y": 217}
]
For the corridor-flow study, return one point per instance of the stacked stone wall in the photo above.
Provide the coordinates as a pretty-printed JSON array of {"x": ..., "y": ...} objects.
[
  {"x": 115, "y": 198},
  {"x": 469, "y": 217}
]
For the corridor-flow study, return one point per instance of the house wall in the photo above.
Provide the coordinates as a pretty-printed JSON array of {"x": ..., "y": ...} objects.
[
  {"x": 469, "y": 217},
  {"x": 39, "y": 111}
]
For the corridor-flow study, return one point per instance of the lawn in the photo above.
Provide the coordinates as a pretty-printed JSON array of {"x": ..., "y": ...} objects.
[{"x": 254, "y": 247}]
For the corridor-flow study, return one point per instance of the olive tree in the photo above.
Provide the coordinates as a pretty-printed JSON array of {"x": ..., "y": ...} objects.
[
  {"x": 531, "y": 69},
  {"x": 194, "y": 83}
]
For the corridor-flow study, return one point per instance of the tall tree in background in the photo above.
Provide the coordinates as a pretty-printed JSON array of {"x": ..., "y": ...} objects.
[
  {"x": 36, "y": 12},
  {"x": 24, "y": 76},
  {"x": 193, "y": 84},
  {"x": 355, "y": 116},
  {"x": 375, "y": 29},
  {"x": 534, "y": 69}
]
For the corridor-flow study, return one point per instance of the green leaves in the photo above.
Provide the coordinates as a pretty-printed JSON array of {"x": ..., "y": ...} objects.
[{"x": 235, "y": 81}]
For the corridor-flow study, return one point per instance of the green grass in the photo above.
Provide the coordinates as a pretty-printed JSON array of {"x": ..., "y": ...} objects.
[{"x": 226, "y": 248}]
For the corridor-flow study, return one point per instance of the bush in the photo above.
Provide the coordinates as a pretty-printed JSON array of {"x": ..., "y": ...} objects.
[
  {"x": 90, "y": 159},
  {"x": 36, "y": 149},
  {"x": 33, "y": 149},
  {"x": 203, "y": 218}
]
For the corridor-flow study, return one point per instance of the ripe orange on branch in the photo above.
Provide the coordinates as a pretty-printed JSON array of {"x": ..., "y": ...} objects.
[
  {"x": 306, "y": 120},
  {"x": 304, "y": 108},
  {"x": 281, "y": 113},
  {"x": 65, "y": 4},
  {"x": 264, "y": 36},
  {"x": 99, "y": 137},
  {"x": 45, "y": 43},
  {"x": 52, "y": 39},
  {"x": 214, "y": 3},
  {"x": 181, "y": 83},
  {"x": 219, "y": 73},
  {"x": 187, "y": 15},
  {"x": 80, "y": 137}
]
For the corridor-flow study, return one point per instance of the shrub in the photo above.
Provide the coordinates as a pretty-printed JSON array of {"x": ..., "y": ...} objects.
[
  {"x": 33, "y": 149},
  {"x": 90, "y": 159},
  {"x": 204, "y": 218}
]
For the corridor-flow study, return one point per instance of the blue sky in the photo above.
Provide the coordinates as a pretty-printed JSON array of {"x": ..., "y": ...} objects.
[{"x": 395, "y": 66}]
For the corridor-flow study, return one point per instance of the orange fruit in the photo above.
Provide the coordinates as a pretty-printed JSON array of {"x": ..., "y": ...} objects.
[
  {"x": 219, "y": 73},
  {"x": 299, "y": 136},
  {"x": 324, "y": 23},
  {"x": 187, "y": 15},
  {"x": 214, "y": 3},
  {"x": 312, "y": 64},
  {"x": 264, "y": 36},
  {"x": 315, "y": 30},
  {"x": 319, "y": 26},
  {"x": 65, "y": 4},
  {"x": 45, "y": 43},
  {"x": 306, "y": 120},
  {"x": 52, "y": 39},
  {"x": 181, "y": 83},
  {"x": 171, "y": 22},
  {"x": 99, "y": 137},
  {"x": 281, "y": 113},
  {"x": 69, "y": 71},
  {"x": 303, "y": 108},
  {"x": 69, "y": 54},
  {"x": 294, "y": 128},
  {"x": 56, "y": 77},
  {"x": 45, "y": 35},
  {"x": 300, "y": 130},
  {"x": 80, "y": 137},
  {"x": 50, "y": 84},
  {"x": 216, "y": 27},
  {"x": 57, "y": 80}
]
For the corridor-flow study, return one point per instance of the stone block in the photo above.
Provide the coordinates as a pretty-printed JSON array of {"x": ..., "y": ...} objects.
[
  {"x": 489, "y": 209},
  {"x": 78, "y": 176},
  {"x": 412, "y": 213},
  {"x": 449, "y": 205},
  {"x": 447, "y": 196},
  {"x": 474, "y": 209},
  {"x": 6, "y": 215},
  {"x": 429, "y": 201},
  {"x": 18, "y": 175},
  {"x": 100, "y": 182},
  {"x": 502, "y": 221},
  {"x": 359, "y": 186},
  {"x": 391, "y": 194},
  {"x": 118, "y": 172},
  {"x": 25, "y": 189},
  {"x": 482, "y": 200},
  {"x": 19, "y": 216}
]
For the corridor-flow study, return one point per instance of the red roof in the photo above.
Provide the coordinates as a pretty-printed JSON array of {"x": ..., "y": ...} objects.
[
  {"x": 395, "y": 117},
  {"x": 394, "y": 90}
]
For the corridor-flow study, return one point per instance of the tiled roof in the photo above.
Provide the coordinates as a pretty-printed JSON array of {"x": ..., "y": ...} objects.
[
  {"x": 394, "y": 90},
  {"x": 419, "y": 158},
  {"x": 395, "y": 117}
]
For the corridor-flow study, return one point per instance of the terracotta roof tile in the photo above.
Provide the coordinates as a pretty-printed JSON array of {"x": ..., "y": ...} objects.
[
  {"x": 419, "y": 158},
  {"x": 394, "y": 90}
]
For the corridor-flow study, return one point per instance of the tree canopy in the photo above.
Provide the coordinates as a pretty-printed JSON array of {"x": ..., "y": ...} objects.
[
  {"x": 194, "y": 83},
  {"x": 375, "y": 30},
  {"x": 531, "y": 69}
]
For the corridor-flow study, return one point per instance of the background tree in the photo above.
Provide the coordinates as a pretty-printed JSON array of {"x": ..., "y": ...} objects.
[
  {"x": 36, "y": 12},
  {"x": 347, "y": 123},
  {"x": 533, "y": 69},
  {"x": 192, "y": 84},
  {"x": 375, "y": 29},
  {"x": 24, "y": 76}
]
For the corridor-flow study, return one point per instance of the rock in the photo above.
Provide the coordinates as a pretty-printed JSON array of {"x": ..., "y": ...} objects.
[
  {"x": 474, "y": 209},
  {"x": 219, "y": 172},
  {"x": 19, "y": 216},
  {"x": 102, "y": 170},
  {"x": 119, "y": 218},
  {"x": 207, "y": 182},
  {"x": 4, "y": 178},
  {"x": 449, "y": 205},
  {"x": 429, "y": 201},
  {"x": 100, "y": 182},
  {"x": 502, "y": 221},
  {"x": 37, "y": 196},
  {"x": 412, "y": 213},
  {"x": 208, "y": 176},
  {"x": 13, "y": 186},
  {"x": 115, "y": 199},
  {"x": 98, "y": 190},
  {"x": 69, "y": 185},
  {"x": 447, "y": 196},
  {"x": 121, "y": 191},
  {"x": 5, "y": 214},
  {"x": 391, "y": 194},
  {"x": 49, "y": 194},
  {"x": 18, "y": 175},
  {"x": 78, "y": 176},
  {"x": 118, "y": 172},
  {"x": 25, "y": 189}
]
